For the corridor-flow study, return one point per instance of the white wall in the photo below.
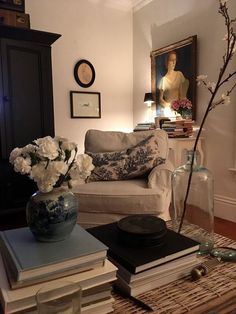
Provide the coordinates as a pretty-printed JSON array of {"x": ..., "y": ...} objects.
[
  {"x": 101, "y": 33},
  {"x": 162, "y": 22}
]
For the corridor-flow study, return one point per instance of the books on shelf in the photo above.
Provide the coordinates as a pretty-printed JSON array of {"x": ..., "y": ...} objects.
[
  {"x": 137, "y": 259},
  {"x": 24, "y": 298},
  {"x": 47, "y": 260},
  {"x": 144, "y": 126},
  {"x": 178, "y": 128}
]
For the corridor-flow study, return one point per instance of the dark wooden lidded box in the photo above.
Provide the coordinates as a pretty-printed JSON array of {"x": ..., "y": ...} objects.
[
  {"x": 15, "y": 5},
  {"x": 12, "y": 13},
  {"x": 13, "y": 18}
]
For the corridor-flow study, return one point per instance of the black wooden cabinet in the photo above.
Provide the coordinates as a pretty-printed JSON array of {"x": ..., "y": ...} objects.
[{"x": 26, "y": 106}]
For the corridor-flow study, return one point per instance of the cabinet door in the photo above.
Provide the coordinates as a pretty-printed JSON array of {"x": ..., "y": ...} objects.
[
  {"x": 26, "y": 111},
  {"x": 26, "y": 92}
]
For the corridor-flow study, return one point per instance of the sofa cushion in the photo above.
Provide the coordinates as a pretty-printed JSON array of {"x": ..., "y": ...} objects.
[
  {"x": 97, "y": 141},
  {"x": 131, "y": 163},
  {"x": 108, "y": 201}
]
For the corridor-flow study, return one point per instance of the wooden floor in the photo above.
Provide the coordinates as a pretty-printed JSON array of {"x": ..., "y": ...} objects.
[{"x": 225, "y": 228}]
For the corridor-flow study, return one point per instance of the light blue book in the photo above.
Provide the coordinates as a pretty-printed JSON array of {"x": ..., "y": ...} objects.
[{"x": 28, "y": 259}]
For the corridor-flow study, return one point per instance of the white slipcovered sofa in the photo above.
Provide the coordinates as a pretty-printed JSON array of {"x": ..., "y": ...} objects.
[{"x": 106, "y": 201}]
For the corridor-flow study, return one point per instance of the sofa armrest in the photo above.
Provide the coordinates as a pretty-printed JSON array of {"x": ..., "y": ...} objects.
[
  {"x": 160, "y": 180},
  {"x": 160, "y": 176}
]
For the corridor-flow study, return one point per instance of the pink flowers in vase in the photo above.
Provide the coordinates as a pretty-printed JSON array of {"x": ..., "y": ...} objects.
[{"x": 182, "y": 106}]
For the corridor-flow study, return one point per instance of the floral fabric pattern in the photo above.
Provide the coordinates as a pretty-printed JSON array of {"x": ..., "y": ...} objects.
[{"x": 131, "y": 163}]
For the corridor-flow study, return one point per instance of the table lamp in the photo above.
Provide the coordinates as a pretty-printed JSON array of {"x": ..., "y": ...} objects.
[{"x": 148, "y": 99}]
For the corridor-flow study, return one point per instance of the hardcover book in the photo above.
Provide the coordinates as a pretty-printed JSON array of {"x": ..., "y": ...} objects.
[
  {"x": 157, "y": 271},
  {"x": 24, "y": 298},
  {"x": 134, "y": 289},
  {"x": 136, "y": 259},
  {"x": 28, "y": 259}
]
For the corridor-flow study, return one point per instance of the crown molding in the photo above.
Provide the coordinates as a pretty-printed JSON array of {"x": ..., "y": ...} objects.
[{"x": 138, "y": 4}]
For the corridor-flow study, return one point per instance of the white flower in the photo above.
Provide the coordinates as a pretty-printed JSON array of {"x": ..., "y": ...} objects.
[
  {"x": 82, "y": 167},
  {"x": 65, "y": 144},
  {"x": 45, "y": 186},
  {"x": 211, "y": 86},
  {"x": 223, "y": 2},
  {"x": 14, "y": 154},
  {"x": 201, "y": 78},
  {"x": 225, "y": 99},
  {"x": 52, "y": 162},
  {"x": 29, "y": 149},
  {"x": 59, "y": 167},
  {"x": 47, "y": 147},
  {"x": 37, "y": 171},
  {"x": 22, "y": 165},
  {"x": 45, "y": 177}
]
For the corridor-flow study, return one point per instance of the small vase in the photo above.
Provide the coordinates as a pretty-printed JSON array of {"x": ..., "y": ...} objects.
[
  {"x": 187, "y": 115},
  {"x": 52, "y": 216},
  {"x": 198, "y": 221}
]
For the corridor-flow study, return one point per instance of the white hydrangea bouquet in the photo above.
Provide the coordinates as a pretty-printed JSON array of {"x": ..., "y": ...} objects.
[{"x": 52, "y": 162}]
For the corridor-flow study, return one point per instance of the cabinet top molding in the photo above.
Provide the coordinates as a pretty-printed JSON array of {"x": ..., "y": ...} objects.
[{"x": 45, "y": 38}]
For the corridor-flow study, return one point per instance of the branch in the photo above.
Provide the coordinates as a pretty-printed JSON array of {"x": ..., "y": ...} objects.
[
  {"x": 227, "y": 78},
  {"x": 230, "y": 47}
]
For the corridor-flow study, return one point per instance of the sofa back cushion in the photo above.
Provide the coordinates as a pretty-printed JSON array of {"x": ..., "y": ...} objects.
[
  {"x": 97, "y": 141},
  {"x": 135, "y": 161}
]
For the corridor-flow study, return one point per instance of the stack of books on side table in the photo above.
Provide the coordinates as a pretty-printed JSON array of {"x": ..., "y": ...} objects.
[
  {"x": 144, "y": 126},
  {"x": 178, "y": 128},
  {"x": 141, "y": 269},
  {"x": 26, "y": 265}
]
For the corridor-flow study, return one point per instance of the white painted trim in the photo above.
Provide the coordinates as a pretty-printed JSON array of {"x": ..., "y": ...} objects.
[
  {"x": 139, "y": 4},
  {"x": 225, "y": 207}
]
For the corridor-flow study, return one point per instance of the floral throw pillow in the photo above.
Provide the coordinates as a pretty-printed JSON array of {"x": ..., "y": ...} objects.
[{"x": 134, "y": 162}]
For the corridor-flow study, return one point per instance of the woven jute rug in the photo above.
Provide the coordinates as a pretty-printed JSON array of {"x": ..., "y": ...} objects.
[{"x": 214, "y": 293}]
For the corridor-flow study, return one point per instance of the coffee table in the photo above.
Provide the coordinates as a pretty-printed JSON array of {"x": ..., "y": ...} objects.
[{"x": 214, "y": 293}]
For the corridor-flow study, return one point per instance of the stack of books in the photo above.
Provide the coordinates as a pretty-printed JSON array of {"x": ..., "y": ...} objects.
[
  {"x": 144, "y": 126},
  {"x": 26, "y": 265},
  {"x": 141, "y": 269},
  {"x": 178, "y": 128}
]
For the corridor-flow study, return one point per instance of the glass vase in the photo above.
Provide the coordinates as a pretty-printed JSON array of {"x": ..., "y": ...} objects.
[
  {"x": 198, "y": 222},
  {"x": 52, "y": 216}
]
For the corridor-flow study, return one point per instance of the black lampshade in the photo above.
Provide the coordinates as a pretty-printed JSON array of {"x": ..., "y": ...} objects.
[{"x": 148, "y": 97}]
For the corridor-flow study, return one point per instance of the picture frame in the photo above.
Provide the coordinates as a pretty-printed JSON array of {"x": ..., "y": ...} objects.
[
  {"x": 84, "y": 73},
  {"x": 186, "y": 63},
  {"x": 85, "y": 104}
]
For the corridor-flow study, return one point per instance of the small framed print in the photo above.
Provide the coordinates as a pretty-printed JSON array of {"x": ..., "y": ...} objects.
[{"x": 85, "y": 104}]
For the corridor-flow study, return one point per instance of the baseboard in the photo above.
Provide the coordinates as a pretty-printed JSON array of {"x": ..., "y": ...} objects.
[{"x": 225, "y": 207}]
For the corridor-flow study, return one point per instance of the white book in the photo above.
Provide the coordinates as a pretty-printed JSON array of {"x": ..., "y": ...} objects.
[
  {"x": 162, "y": 269},
  {"x": 24, "y": 298},
  {"x": 49, "y": 258},
  {"x": 101, "y": 307},
  {"x": 134, "y": 290}
]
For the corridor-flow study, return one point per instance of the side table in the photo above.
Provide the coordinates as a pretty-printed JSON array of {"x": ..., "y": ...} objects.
[{"x": 177, "y": 147}]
